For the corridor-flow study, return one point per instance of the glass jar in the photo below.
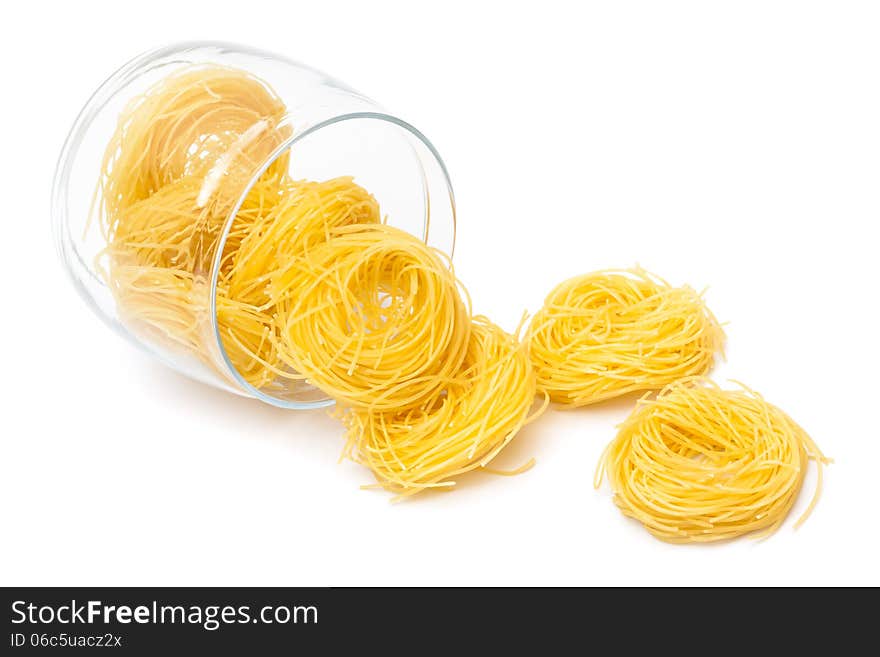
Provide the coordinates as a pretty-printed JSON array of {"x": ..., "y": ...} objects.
[{"x": 323, "y": 129}]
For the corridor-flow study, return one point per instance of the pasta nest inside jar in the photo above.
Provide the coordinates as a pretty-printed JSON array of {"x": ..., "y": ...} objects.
[
  {"x": 207, "y": 122},
  {"x": 179, "y": 161}
]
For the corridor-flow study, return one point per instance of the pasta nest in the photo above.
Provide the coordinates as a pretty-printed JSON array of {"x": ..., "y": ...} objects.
[
  {"x": 608, "y": 333},
  {"x": 700, "y": 464},
  {"x": 376, "y": 319},
  {"x": 463, "y": 427}
]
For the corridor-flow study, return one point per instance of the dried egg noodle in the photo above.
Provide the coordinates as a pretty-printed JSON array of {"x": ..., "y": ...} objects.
[
  {"x": 265, "y": 244},
  {"x": 208, "y": 122},
  {"x": 700, "y": 464},
  {"x": 607, "y": 333},
  {"x": 374, "y": 318},
  {"x": 460, "y": 428}
]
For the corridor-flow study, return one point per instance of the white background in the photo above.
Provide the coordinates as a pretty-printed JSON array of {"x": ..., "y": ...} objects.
[{"x": 734, "y": 145}]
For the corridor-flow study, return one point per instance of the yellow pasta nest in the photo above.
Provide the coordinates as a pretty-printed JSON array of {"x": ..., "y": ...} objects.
[
  {"x": 608, "y": 333},
  {"x": 374, "y": 318},
  {"x": 460, "y": 428},
  {"x": 265, "y": 243},
  {"x": 700, "y": 464},
  {"x": 211, "y": 123}
]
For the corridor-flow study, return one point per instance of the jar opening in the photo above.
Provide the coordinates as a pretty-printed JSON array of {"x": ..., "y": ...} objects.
[{"x": 385, "y": 156}]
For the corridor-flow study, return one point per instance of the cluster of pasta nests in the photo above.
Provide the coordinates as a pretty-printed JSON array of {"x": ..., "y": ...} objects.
[{"x": 312, "y": 284}]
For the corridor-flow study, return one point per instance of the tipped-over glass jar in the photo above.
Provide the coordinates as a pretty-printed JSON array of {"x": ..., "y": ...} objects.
[{"x": 178, "y": 160}]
